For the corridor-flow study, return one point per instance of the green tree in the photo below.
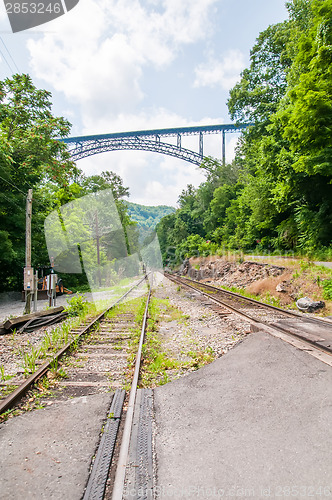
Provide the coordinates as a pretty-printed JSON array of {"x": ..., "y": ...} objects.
[
  {"x": 278, "y": 192},
  {"x": 263, "y": 84},
  {"x": 30, "y": 155}
]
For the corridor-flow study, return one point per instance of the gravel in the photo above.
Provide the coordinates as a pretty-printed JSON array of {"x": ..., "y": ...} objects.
[{"x": 201, "y": 330}]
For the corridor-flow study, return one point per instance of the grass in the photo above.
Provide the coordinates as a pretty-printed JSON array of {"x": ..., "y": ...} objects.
[
  {"x": 50, "y": 344},
  {"x": 327, "y": 287},
  {"x": 158, "y": 365},
  {"x": 3, "y": 376},
  {"x": 30, "y": 357},
  {"x": 5, "y": 391},
  {"x": 199, "y": 358}
]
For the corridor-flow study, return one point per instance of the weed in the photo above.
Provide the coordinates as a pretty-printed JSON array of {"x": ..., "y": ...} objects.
[
  {"x": 7, "y": 414},
  {"x": 327, "y": 287},
  {"x": 29, "y": 361},
  {"x": 5, "y": 391},
  {"x": 77, "y": 306},
  {"x": 56, "y": 370},
  {"x": 200, "y": 358},
  {"x": 270, "y": 299},
  {"x": 3, "y": 376},
  {"x": 14, "y": 335},
  {"x": 39, "y": 406}
]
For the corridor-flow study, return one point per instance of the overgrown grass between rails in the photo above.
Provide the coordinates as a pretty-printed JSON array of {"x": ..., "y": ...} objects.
[
  {"x": 157, "y": 363},
  {"x": 52, "y": 342}
]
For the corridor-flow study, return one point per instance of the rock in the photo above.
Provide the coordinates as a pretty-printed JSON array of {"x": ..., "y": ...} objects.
[
  {"x": 185, "y": 266},
  {"x": 307, "y": 305},
  {"x": 281, "y": 288},
  {"x": 276, "y": 270}
]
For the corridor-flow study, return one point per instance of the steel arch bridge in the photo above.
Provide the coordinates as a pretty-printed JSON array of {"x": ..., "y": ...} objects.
[{"x": 151, "y": 140}]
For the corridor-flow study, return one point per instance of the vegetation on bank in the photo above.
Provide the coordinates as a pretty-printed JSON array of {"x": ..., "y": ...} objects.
[
  {"x": 32, "y": 156},
  {"x": 276, "y": 196},
  {"x": 147, "y": 216},
  {"x": 240, "y": 274}
]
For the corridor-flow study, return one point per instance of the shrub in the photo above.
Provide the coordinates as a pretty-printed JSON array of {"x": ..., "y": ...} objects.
[
  {"x": 77, "y": 306},
  {"x": 327, "y": 286}
]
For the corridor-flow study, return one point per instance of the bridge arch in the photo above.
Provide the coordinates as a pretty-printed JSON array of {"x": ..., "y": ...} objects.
[{"x": 151, "y": 140}]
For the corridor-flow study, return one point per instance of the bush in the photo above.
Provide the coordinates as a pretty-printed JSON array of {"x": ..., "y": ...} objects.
[
  {"x": 327, "y": 286},
  {"x": 77, "y": 306}
]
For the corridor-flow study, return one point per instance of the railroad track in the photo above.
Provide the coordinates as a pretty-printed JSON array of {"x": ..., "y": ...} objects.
[
  {"x": 307, "y": 333},
  {"x": 77, "y": 335},
  {"x": 105, "y": 353},
  {"x": 105, "y": 459}
]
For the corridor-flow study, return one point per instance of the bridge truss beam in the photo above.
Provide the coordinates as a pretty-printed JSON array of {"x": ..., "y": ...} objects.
[{"x": 150, "y": 140}]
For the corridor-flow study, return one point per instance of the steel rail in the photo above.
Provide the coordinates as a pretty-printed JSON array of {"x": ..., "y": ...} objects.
[
  {"x": 259, "y": 324},
  {"x": 120, "y": 474},
  {"x": 256, "y": 302},
  {"x": 17, "y": 394}
]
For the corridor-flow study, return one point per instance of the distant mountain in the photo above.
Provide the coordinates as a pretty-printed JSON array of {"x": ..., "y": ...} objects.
[{"x": 148, "y": 217}]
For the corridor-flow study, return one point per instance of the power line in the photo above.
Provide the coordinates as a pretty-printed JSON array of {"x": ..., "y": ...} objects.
[
  {"x": 18, "y": 189},
  {"x": 9, "y": 54},
  {"x": 12, "y": 201},
  {"x": 3, "y": 55}
]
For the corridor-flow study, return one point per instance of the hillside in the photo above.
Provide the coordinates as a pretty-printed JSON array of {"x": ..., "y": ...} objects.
[{"x": 148, "y": 217}]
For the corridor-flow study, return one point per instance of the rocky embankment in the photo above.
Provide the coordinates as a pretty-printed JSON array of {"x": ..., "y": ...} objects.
[
  {"x": 281, "y": 284},
  {"x": 228, "y": 273}
]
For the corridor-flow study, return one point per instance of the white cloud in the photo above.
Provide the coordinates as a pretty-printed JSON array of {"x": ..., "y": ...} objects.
[
  {"x": 96, "y": 53},
  {"x": 99, "y": 74},
  {"x": 224, "y": 73}
]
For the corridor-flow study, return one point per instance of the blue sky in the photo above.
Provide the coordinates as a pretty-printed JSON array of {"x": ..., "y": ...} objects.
[{"x": 122, "y": 65}]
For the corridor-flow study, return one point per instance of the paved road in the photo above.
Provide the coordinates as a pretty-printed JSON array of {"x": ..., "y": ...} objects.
[
  {"x": 47, "y": 453},
  {"x": 267, "y": 257},
  {"x": 255, "y": 423}
]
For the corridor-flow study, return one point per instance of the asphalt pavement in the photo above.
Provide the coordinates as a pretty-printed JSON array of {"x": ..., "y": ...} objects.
[
  {"x": 47, "y": 453},
  {"x": 256, "y": 423}
]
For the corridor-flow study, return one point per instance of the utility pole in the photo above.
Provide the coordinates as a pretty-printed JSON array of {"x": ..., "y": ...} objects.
[{"x": 28, "y": 271}]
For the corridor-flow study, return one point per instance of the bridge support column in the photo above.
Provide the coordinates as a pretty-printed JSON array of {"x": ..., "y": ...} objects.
[
  {"x": 179, "y": 141},
  {"x": 223, "y": 147},
  {"x": 201, "y": 144}
]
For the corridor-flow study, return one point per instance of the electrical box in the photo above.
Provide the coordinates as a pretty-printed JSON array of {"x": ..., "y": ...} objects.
[
  {"x": 51, "y": 281},
  {"x": 28, "y": 279}
]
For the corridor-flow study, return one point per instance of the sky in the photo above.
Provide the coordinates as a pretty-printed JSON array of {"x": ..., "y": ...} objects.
[{"x": 125, "y": 65}]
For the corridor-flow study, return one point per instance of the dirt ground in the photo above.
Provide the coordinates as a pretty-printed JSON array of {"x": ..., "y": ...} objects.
[{"x": 280, "y": 281}]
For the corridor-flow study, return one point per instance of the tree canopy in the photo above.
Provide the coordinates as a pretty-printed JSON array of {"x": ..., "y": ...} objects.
[
  {"x": 32, "y": 156},
  {"x": 277, "y": 194}
]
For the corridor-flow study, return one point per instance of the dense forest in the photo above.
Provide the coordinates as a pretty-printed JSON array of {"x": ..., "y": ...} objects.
[
  {"x": 277, "y": 193},
  {"x": 147, "y": 217},
  {"x": 32, "y": 156}
]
